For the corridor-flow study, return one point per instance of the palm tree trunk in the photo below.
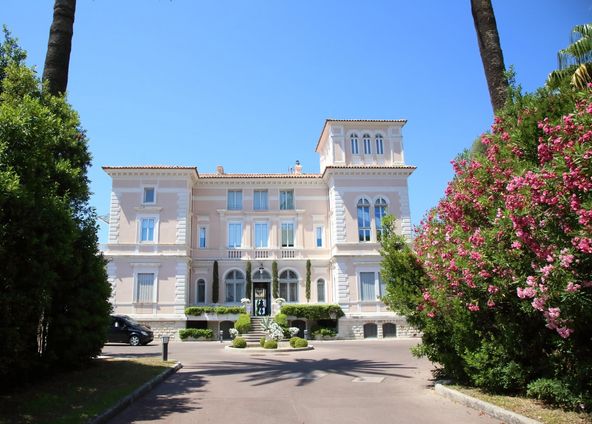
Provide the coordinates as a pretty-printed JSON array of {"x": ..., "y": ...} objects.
[
  {"x": 491, "y": 52},
  {"x": 57, "y": 59}
]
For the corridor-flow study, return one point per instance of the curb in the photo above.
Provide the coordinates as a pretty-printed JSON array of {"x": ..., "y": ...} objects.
[
  {"x": 261, "y": 349},
  {"x": 135, "y": 395},
  {"x": 489, "y": 408}
]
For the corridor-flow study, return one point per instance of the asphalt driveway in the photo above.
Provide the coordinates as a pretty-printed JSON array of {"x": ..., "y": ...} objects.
[{"x": 338, "y": 382}]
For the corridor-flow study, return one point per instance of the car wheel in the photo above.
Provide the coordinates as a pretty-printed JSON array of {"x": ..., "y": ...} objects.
[{"x": 134, "y": 340}]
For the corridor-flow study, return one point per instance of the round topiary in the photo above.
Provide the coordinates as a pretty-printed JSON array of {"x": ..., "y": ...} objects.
[
  {"x": 270, "y": 344},
  {"x": 301, "y": 343},
  {"x": 239, "y": 343},
  {"x": 293, "y": 341}
]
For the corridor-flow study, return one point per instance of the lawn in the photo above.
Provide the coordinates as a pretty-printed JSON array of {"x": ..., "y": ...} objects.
[
  {"x": 76, "y": 396},
  {"x": 528, "y": 407}
]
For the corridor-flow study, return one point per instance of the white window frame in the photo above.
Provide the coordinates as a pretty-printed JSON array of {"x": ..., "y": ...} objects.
[
  {"x": 324, "y": 290},
  {"x": 293, "y": 224},
  {"x": 240, "y": 224},
  {"x": 145, "y": 269},
  {"x": 266, "y": 206},
  {"x": 235, "y": 206},
  {"x": 144, "y": 188},
  {"x": 156, "y": 219},
  {"x": 367, "y": 144},
  {"x": 295, "y": 281},
  {"x": 205, "y": 237},
  {"x": 321, "y": 229},
  {"x": 379, "y": 144},
  {"x": 266, "y": 244},
  {"x": 377, "y": 288},
  {"x": 355, "y": 148},
  {"x": 285, "y": 202}
]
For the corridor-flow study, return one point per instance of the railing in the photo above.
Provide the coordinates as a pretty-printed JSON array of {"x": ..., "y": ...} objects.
[
  {"x": 288, "y": 254},
  {"x": 235, "y": 254},
  {"x": 261, "y": 254}
]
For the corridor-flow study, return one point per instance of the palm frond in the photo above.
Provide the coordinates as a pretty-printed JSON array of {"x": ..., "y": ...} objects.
[
  {"x": 556, "y": 77},
  {"x": 582, "y": 76}
]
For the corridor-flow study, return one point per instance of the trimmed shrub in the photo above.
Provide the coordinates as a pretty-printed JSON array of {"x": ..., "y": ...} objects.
[
  {"x": 195, "y": 333},
  {"x": 324, "y": 332},
  {"x": 239, "y": 343},
  {"x": 243, "y": 323},
  {"x": 270, "y": 344},
  {"x": 282, "y": 320},
  {"x": 198, "y": 310},
  {"x": 312, "y": 312},
  {"x": 298, "y": 342},
  {"x": 554, "y": 392},
  {"x": 262, "y": 341}
]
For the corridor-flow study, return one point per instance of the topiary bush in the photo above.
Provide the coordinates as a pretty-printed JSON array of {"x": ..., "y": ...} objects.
[
  {"x": 298, "y": 342},
  {"x": 312, "y": 312},
  {"x": 270, "y": 344},
  {"x": 243, "y": 323},
  {"x": 195, "y": 333},
  {"x": 239, "y": 343},
  {"x": 324, "y": 332},
  {"x": 198, "y": 310}
]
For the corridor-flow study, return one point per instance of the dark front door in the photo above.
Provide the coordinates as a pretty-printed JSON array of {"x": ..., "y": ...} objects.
[{"x": 261, "y": 299}]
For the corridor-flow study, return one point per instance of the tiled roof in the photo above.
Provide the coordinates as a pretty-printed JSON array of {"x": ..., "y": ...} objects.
[
  {"x": 150, "y": 167},
  {"x": 259, "y": 175},
  {"x": 409, "y": 167}
]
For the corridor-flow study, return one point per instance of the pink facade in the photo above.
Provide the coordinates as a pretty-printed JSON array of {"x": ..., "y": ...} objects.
[{"x": 168, "y": 225}]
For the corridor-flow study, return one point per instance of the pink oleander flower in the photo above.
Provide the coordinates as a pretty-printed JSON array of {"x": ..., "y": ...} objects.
[
  {"x": 531, "y": 281},
  {"x": 472, "y": 307},
  {"x": 564, "y": 332},
  {"x": 426, "y": 296},
  {"x": 431, "y": 314},
  {"x": 538, "y": 303},
  {"x": 516, "y": 245},
  {"x": 526, "y": 293},
  {"x": 553, "y": 313},
  {"x": 571, "y": 287},
  {"x": 546, "y": 270},
  {"x": 490, "y": 303},
  {"x": 492, "y": 289}
]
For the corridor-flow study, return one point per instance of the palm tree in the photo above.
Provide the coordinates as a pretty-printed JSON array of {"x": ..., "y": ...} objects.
[
  {"x": 575, "y": 60},
  {"x": 491, "y": 52},
  {"x": 59, "y": 46}
]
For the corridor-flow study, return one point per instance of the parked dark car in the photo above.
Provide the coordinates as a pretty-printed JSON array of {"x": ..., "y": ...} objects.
[{"x": 124, "y": 329}]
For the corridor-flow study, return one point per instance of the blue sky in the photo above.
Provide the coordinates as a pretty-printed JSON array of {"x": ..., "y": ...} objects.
[{"x": 248, "y": 84}]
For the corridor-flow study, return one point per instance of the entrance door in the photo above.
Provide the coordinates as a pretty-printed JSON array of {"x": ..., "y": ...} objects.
[{"x": 261, "y": 299}]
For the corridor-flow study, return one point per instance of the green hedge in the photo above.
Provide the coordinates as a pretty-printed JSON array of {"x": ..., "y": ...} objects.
[
  {"x": 198, "y": 310},
  {"x": 324, "y": 332},
  {"x": 298, "y": 342},
  {"x": 243, "y": 323},
  {"x": 312, "y": 311},
  {"x": 196, "y": 333},
  {"x": 239, "y": 343}
]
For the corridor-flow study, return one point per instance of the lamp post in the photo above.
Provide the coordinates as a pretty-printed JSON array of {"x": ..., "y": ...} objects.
[
  {"x": 220, "y": 335},
  {"x": 165, "y": 348}
]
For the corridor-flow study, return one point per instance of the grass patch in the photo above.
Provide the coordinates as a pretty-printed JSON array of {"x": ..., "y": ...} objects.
[
  {"x": 530, "y": 408},
  {"x": 77, "y": 396}
]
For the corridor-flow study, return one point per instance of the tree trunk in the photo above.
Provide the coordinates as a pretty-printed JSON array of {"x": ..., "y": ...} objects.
[
  {"x": 57, "y": 59},
  {"x": 491, "y": 52}
]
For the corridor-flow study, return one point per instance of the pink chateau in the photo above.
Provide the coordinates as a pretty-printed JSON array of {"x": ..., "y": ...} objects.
[{"x": 169, "y": 224}]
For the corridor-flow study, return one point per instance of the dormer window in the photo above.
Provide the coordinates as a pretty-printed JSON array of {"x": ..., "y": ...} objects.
[
  {"x": 354, "y": 144},
  {"x": 149, "y": 195},
  {"x": 379, "y": 145},
  {"x": 367, "y": 144}
]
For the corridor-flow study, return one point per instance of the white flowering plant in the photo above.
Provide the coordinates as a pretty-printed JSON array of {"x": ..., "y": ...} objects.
[
  {"x": 245, "y": 300},
  {"x": 233, "y": 332},
  {"x": 275, "y": 332},
  {"x": 280, "y": 300},
  {"x": 293, "y": 331}
]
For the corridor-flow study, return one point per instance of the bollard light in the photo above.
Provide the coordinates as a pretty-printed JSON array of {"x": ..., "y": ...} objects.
[
  {"x": 220, "y": 335},
  {"x": 165, "y": 348},
  {"x": 306, "y": 334}
]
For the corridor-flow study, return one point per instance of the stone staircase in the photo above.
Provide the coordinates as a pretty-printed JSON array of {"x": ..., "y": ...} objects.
[{"x": 253, "y": 336}]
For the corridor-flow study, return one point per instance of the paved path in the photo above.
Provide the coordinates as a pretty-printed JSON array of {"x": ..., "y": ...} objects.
[{"x": 339, "y": 382}]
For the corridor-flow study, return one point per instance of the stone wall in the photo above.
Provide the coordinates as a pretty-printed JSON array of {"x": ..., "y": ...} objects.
[
  {"x": 165, "y": 328},
  {"x": 353, "y": 328}
]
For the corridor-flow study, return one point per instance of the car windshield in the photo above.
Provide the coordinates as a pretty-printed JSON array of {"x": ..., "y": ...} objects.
[{"x": 130, "y": 320}]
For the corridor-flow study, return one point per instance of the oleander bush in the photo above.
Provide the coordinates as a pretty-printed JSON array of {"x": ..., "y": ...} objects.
[
  {"x": 270, "y": 344},
  {"x": 195, "y": 333},
  {"x": 199, "y": 310},
  {"x": 312, "y": 312},
  {"x": 243, "y": 323},
  {"x": 239, "y": 343},
  {"x": 500, "y": 280}
]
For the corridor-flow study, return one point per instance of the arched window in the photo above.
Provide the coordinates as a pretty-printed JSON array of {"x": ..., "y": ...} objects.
[
  {"x": 262, "y": 275},
  {"x": 379, "y": 212},
  {"x": 289, "y": 286},
  {"x": 367, "y": 144},
  {"x": 354, "y": 144},
  {"x": 235, "y": 286},
  {"x": 364, "y": 220},
  {"x": 379, "y": 145},
  {"x": 321, "y": 290},
  {"x": 200, "y": 294}
]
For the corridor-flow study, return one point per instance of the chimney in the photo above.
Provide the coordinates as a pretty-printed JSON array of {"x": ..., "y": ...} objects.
[
  {"x": 219, "y": 170},
  {"x": 297, "y": 168}
]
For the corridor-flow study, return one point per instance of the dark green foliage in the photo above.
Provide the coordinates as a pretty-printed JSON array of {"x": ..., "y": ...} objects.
[
  {"x": 198, "y": 310},
  {"x": 308, "y": 280},
  {"x": 275, "y": 285},
  {"x": 54, "y": 306},
  {"x": 196, "y": 333},
  {"x": 239, "y": 343},
  {"x": 296, "y": 342},
  {"x": 324, "y": 332},
  {"x": 243, "y": 323},
  {"x": 270, "y": 344},
  {"x": 248, "y": 288},
  {"x": 555, "y": 392},
  {"x": 215, "y": 283},
  {"x": 262, "y": 341},
  {"x": 312, "y": 312}
]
